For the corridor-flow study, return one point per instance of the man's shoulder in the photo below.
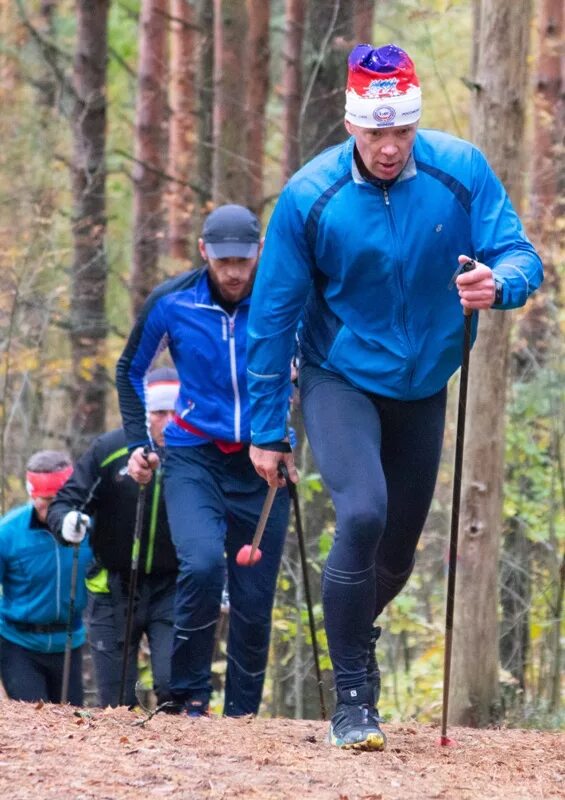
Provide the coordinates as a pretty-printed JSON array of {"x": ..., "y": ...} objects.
[
  {"x": 320, "y": 179},
  {"x": 15, "y": 516},
  {"x": 325, "y": 169},
  {"x": 110, "y": 449},
  {"x": 435, "y": 145},
  {"x": 178, "y": 283}
]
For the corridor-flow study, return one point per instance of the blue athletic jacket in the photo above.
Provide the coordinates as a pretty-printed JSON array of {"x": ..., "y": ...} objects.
[
  {"x": 208, "y": 347},
  {"x": 366, "y": 268},
  {"x": 35, "y": 575}
]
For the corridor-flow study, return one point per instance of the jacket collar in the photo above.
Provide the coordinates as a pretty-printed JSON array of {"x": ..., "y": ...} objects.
[{"x": 408, "y": 171}]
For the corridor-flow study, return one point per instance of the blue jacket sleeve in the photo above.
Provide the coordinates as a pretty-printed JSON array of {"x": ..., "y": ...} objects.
[
  {"x": 500, "y": 240},
  {"x": 283, "y": 280},
  {"x": 146, "y": 339}
]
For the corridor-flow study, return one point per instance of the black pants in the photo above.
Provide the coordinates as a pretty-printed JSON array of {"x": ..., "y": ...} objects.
[
  {"x": 379, "y": 458},
  {"x": 105, "y": 621},
  {"x": 31, "y": 676}
]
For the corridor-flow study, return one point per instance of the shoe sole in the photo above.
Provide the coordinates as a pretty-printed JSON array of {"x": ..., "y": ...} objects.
[{"x": 373, "y": 741}]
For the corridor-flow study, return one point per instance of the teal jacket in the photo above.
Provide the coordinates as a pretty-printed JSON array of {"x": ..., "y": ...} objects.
[{"x": 35, "y": 576}]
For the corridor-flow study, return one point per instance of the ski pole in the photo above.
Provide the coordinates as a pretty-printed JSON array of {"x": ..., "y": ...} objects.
[
  {"x": 455, "y": 508},
  {"x": 302, "y": 548},
  {"x": 250, "y": 554},
  {"x": 72, "y": 599},
  {"x": 132, "y": 589},
  {"x": 69, "y": 640}
]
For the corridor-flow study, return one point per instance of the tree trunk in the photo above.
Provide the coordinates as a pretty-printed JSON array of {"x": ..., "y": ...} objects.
[
  {"x": 363, "y": 16},
  {"x": 182, "y": 142},
  {"x": 515, "y": 601},
  {"x": 257, "y": 83},
  {"x": 502, "y": 79},
  {"x": 205, "y": 83},
  {"x": 88, "y": 325},
  {"x": 295, "y": 13},
  {"x": 539, "y": 325},
  {"x": 229, "y": 116},
  {"x": 150, "y": 130},
  {"x": 330, "y": 30}
]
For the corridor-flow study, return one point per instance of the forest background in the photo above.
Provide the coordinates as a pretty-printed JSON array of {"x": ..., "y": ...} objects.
[{"x": 123, "y": 123}]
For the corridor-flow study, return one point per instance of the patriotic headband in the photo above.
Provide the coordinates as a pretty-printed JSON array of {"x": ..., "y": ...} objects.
[
  {"x": 47, "y": 484},
  {"x": 383, "y": 90}
]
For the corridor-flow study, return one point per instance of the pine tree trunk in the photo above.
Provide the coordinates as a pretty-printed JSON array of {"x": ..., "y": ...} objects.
[
  {"x": 88, "y": 325},
  {"x": 182, "y": 142},
  {"x": 330, "y": 30},
  {"x": 502, "y": 79},
  {"x": 295, "y": 14},
  {"x": 257, "y": 84},
  {"x": 150, "y": 136},
  {"x": 363, "y": 14},
  {"x": 205, "y": 84},
  {"x": 229, "y": 117}
]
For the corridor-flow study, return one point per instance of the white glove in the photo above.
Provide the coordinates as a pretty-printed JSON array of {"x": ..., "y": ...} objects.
[{"x": 75, "y": 525}]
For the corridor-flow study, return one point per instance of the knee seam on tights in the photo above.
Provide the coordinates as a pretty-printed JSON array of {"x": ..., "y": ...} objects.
[{"x": 347, "y": 578}]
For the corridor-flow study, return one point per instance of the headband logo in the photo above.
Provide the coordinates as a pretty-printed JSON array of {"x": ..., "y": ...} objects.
[
  {"x": 382, "y": 86},
  {"x": 384, "y": 114}
]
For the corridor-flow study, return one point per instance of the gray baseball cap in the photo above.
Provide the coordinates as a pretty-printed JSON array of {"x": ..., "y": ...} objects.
[{"x": 231, "y": 231}]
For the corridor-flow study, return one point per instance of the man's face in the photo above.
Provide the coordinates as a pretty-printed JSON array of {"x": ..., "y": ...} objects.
[
  {"x": 384, "y": 151},
  {"x": 158, "y": 421},
  {"x": 232, "y": 277},
  {"x": 41, "y": 505}
]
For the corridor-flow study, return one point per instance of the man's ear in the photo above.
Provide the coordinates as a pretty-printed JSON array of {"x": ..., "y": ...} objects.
[
  {"x": 202, "y": 249},
  {"x": 347, "y": 124}
]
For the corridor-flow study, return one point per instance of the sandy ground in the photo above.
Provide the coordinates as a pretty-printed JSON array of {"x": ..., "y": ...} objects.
[{"x": 52, "y": 752}]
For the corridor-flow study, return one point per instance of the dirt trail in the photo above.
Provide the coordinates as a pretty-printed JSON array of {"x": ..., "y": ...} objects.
[{"x": 52, "y": 753}]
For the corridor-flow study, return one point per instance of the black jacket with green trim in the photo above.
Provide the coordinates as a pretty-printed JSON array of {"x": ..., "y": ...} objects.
[{"x": 111, "y": 503}]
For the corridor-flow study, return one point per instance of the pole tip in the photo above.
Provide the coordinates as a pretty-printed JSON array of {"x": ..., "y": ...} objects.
[{"x": 445, "y": 741}]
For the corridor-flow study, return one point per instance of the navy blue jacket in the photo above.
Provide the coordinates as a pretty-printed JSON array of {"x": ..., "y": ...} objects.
[{"x": 208, "y": 347}]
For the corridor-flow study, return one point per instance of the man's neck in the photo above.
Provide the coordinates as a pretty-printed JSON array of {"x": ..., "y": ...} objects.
[
  {"x": 367, "y": 175},
  {"x": 228, "y": 305}
]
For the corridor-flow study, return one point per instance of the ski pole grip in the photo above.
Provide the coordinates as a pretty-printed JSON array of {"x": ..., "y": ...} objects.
[{"x": 467, "y": 266}]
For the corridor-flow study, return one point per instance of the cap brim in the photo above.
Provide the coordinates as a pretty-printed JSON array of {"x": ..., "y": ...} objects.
[{"x": 232, "y": 249}]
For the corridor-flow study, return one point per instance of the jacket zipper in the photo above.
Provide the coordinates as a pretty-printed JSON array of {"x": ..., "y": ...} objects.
[
  {"x": 400, "y": 284},
  {"x": 233, "y": 362},
  {"x": 235, "y": 386}
]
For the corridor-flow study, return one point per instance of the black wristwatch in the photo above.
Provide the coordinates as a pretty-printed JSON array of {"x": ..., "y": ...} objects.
[{"x": 498, "y": 295}]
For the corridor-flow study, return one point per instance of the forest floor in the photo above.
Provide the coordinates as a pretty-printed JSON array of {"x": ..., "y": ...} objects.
[{"x": 62, "y": 753}]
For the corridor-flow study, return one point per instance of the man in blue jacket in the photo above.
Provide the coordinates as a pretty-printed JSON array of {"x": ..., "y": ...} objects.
[
  {"x": 212, "y": 493},
  {"x": 361, "y": 248},
  {"x": 35, "y": 576}
]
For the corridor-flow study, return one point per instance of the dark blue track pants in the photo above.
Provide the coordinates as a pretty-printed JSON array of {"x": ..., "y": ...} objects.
[
  {"x": 379, "y": 458},
  {"x": 31, "y": 676},
  {"x": 213, "y": 504}
]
